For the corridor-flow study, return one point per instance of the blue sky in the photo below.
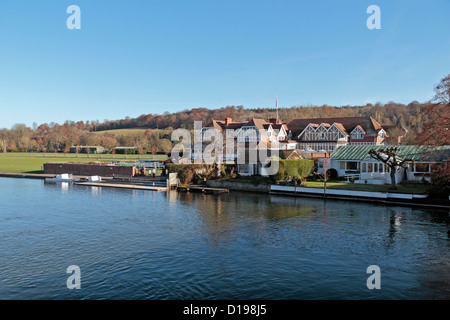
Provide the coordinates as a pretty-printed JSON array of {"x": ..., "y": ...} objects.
[{"x": 138, "y": 57}]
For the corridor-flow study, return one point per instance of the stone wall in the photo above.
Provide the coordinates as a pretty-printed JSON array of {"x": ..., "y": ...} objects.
[
  {"x": 84, "y": 169},
  {"x": 238, "y": 186}
]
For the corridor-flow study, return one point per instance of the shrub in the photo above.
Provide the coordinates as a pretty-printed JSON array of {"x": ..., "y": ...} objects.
[
  {"x": 187, "y": 174},
  {"x": 440, "y": 177},
  {"x": 293, "y": 169}
]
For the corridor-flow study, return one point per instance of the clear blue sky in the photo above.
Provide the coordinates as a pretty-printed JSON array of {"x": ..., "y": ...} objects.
[{"x": 137, "y": 57}]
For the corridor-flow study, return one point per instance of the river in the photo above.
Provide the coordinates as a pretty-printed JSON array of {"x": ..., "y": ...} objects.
[{"x": 131, "y": 244}]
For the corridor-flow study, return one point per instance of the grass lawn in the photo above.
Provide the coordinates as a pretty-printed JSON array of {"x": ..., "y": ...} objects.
[
  {"x": 33, "y": 162},
  {"x": 402, "y": 188},
  {"x": 131, "y": 131},
  {"x": 123, "y": 132}
]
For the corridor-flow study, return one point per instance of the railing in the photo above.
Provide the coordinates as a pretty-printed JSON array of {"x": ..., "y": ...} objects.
[{"x": 355, "y": 175}]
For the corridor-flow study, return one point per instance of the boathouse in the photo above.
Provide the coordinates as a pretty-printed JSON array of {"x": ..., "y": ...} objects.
[{"x": 355, "y": 162}]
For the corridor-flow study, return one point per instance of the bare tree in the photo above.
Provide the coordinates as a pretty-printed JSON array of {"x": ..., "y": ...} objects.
[
  {"x": 437, "y": 130},
  {"x": 4, "y": 138},
  {"x": 389, "y": 157}
]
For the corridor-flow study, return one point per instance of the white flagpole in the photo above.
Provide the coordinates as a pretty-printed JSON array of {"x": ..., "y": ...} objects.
[{"x": 276, "y": 104}]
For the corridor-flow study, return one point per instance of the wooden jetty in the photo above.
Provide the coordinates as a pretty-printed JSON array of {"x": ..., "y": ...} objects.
[
  {"x": 122, "y": 186},
  {"x": 203, "y": 189}
]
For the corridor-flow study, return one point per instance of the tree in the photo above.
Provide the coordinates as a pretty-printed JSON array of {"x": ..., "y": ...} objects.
[
  {"x": 436, "y": 130},
  {"x": 4, "y": 139},
  {"x": 21, "y": 136},
  {"x": 108, "y": 141},
  {"x": 165, "y": 145},
  {"x": 389, "y": 157}
]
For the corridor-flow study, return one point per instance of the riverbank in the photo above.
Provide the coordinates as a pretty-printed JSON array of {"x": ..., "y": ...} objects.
[
  {"x": 33, "y": 162},
  {"x": 146, "y": 183},
  {"x": 138, "y": 183},
  {"x": 397, "y": 198}
]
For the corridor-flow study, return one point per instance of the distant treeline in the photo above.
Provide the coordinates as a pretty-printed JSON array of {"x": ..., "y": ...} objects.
[
  {"x": 60, "y": 137},
  {"x": 410, "y": 116}
]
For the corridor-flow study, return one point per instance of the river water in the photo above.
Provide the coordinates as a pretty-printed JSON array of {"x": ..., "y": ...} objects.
[{"x": 133, "y": 244}]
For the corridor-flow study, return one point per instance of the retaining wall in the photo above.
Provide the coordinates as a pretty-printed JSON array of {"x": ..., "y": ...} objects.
[
  {"x": 89, "y": 169},
  {"x": 238, "y": 186}
]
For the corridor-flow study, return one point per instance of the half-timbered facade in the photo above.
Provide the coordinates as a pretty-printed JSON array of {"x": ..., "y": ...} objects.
[{"x": 324, "y": 135}]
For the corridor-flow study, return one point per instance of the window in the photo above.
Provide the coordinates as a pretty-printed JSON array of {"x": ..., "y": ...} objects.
[
  {"x": 352, "y": 165},
  {"x": 369, "y": 167},
  {"x": 375, "y": 167},
  {"x": 342, "y": 165},
  {"x": 319, "y": 147},
  {"x": 422, "y": 167},
  {"x": 364, "y": 167}
]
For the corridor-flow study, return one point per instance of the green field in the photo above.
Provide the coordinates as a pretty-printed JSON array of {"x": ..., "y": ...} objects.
[
  {"x": 33, "y": 162},
  {"x": 123, "y": 132}
]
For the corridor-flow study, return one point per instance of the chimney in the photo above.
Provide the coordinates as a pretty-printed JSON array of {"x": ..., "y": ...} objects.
[
  {"x": 228, "y": 121},
  {"x": 274, "y": 121}
]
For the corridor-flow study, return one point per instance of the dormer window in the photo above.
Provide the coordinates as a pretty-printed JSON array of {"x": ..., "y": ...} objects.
[{"x": 357, "y": 133}]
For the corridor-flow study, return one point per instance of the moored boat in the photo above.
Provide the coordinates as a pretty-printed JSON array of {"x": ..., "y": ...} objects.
[{"x": 65, "y": 177}]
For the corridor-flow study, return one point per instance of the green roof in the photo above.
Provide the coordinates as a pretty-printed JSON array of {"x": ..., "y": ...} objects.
[{"x": 418, "y": 153}]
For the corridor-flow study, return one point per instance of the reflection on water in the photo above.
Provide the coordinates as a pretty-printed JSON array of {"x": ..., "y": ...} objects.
[{"x": 133, "y": 244}]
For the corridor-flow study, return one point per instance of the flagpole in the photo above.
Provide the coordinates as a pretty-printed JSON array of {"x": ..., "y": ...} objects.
[{"x": 276, "y": 104}]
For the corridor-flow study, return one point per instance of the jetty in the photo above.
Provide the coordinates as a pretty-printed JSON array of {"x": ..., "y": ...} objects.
[
  {"x": 122, "y": 186},
  {"x": 26, "y": 175},
  {"x": 203, "y": 189}
]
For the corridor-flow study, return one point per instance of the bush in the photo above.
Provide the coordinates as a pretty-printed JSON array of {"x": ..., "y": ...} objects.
[
  {"x": 293, "y": 169},
  {"x": 189, "y": 172},
  {"x": 440, "y": 177},
  {"x": 186, "y": 175}
]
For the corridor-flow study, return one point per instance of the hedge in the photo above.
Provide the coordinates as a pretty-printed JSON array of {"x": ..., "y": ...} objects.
[
  {"x": 188, "y": 172},
  {"x": 293, "y": 169}
]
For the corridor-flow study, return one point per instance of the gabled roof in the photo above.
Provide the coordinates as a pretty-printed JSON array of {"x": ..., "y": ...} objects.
[
  {"x": 418, "y": 153},
  {"x": 368, "y": 124},
  {"x": 258, "y": 123},
  {"x": 222, "y": 125},
  {"x": 340, "y": 127},
  {"x": 359, "y": 127},
  {"x": 278, "y": 126},
  {"x": 294, "y": 154}
]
